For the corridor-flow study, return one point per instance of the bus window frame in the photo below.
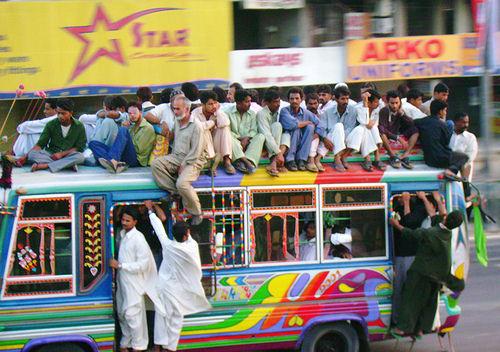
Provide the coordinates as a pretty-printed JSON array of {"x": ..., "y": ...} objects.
[
  {"x": 258, "y": 211},
  {"x": 40, "y": 278},
  {"x": 322, "y": 208},
  {"x": 208, "y": 214}
]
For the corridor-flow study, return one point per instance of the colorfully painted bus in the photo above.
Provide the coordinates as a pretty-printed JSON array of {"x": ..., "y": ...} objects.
[{"x": 57, "y": 236}]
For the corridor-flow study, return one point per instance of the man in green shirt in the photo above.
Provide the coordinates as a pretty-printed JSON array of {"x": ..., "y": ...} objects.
[
  {"x": 430, "y": 269},
  {"x": 247, "y": 141},
  {"x": 131, "y": 147},
  {"x": 62, "y": 142},
  {"x": 267, "y": 123}
]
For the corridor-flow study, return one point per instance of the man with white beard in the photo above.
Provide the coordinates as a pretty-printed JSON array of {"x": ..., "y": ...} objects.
[{"x": 179, "y": 284}]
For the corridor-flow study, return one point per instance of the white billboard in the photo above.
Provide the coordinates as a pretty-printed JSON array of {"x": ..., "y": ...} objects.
[{"x": 287, "y": 67}]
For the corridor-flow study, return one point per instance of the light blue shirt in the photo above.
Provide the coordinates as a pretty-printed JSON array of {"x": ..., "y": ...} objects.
[{"x": 331, "y": 117}]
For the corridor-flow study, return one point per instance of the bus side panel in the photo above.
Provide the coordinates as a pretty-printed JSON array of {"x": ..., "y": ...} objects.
[{"x": 275, "y": 307}]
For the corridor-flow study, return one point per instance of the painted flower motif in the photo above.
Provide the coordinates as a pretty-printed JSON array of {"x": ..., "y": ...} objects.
[{"x": 92, "y": 209}]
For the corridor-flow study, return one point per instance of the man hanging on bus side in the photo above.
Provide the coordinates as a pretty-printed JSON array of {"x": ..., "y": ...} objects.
[{"x": 179, "y": 285}]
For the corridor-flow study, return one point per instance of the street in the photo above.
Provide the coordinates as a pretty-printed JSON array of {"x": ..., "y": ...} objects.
[{"x": 478, "y": 326}]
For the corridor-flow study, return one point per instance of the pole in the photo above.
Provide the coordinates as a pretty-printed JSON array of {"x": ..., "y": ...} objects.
[{"x": 486, "y": 82}]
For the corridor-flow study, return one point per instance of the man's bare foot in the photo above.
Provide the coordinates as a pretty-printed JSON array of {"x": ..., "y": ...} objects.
[{"x": 37, "y": 167}]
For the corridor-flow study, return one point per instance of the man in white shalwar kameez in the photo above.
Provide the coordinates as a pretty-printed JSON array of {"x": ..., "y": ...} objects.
[
  {"x": 136, "y": 279},
  {"x": 179, "y": 284},
  {"x": 30, "y": 131}
]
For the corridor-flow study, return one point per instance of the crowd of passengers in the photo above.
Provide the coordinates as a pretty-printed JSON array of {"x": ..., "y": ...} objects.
[{"x": 190, "y": 129}]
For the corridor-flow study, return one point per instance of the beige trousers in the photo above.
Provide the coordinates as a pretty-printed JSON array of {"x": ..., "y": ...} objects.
[{"x": 166, "y": 177}]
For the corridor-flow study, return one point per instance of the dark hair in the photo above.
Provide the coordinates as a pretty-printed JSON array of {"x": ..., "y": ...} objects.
[
  {"x": 206, "y": 95},
  {"x": 459, "y": 116},
  {"x": 342, "y": 91},
  {"x": 369, "y": 85},
  {"x": 179, "y": 230},
  {"x": 295, "y": 90},
  {"x": 135, "y": 105},
  {"x": 241, "y": 95},
  {"x": 414, "y": 94},
  {"x": 309, "y": 90},
  {"x": 109, "y": 102},
  {"x": 52, "y": 102},
  {"x": 236, "y": 86},
  {"x": 403, "y": 90},
  {"x": 373, "y": 95},
  {"x": 131, "y": 211},
  {"x": 165, "y": 95},
  {"x": 190, "y": 90},
  {"x": 441, "y": 88},
  {"x": 271, "y": 95},
  {"x": 144, "y": 93},
  {"x": 254, "y": 94},
  {"x": 66, "y": 104},
  {"x": 119, "y": 101},
  {"x": 309, "y": 223},
  {"x": 324, "y": 88},
  {"x": 437, "y": 106},
  {"x": 221, "y": 94},
  {"x": 312, "y": 96},
  {"x": 393, "y": 94},
  {"x": 454, "y": 219}
]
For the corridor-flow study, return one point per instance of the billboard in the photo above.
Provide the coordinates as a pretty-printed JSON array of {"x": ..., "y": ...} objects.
[
  {"x": 416, "y": 57},
  {"x": 102, "y": 47},
  {"x": 287, "y": 67}
]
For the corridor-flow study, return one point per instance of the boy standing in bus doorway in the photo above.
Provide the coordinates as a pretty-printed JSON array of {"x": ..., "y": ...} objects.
[
  {"x": 136, "y": 278},
  {"x": 430, "y": 269},
  {"x": 179, "y": 284}
]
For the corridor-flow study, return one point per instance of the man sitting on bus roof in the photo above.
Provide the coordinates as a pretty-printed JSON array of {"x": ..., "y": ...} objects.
[
  {"x": 441, "y": 92},
  {"x": 435, "y": 136},
  {"x": 177, "y": 171},
  {"x": 247, "y": 141},
  {"x": 395, "y": 125},
  {"x": 30, "y": 131},
  {"x": 131, "y": 147},
  {"x": 429, "y": 271},
  {"x": 338, "y": 122},
  {"x": 303, "y": 126},
  {"x": 62, "y": 142},
  {"x": 365, "y": 138},
  {"x": 216, "y": 129},
  {"x": 161, "y": 116},
  {"x": 277, "y": 143}
]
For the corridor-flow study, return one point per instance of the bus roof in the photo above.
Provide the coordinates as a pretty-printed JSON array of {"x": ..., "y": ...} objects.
[{"x": 98, "y": 179}]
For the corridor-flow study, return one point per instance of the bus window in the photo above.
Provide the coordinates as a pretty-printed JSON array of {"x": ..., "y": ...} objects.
[
  {"x": 354, "y": 234},
  {"x": 41, "y": 261},
  {"x": 280, "y": 221},
  {"x": 227, "y": 206},
  {"x": 354, "y": 222}
]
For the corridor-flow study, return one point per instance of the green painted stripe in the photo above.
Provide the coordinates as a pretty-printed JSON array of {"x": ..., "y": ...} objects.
[
  {"x": 13, "y": 342},
  {"x": 60, "y": 315},
  {"x": 239, "y": 342}
]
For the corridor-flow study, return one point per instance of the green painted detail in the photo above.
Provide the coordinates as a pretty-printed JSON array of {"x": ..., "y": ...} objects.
[
  {"x": 239, "y": 316},
  {"x": 13, "y": 342},
  {"x": 409, "y": 178},
  {"x": 238, "y": 342},
  {"x": 59, "y": 315}
]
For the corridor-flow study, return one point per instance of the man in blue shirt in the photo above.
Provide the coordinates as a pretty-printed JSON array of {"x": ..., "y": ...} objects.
[{"x": 302, "y": 125}]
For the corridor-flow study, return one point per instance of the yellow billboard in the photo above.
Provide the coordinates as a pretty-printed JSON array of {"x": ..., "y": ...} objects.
[
  {"x": 102, "y": 47},
  {"x": 379, "y": 59}
]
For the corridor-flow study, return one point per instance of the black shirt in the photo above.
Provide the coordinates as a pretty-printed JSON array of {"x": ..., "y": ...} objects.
[{"x": 434, "y": 139}]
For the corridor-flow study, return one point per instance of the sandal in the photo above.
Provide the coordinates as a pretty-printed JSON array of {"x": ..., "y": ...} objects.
[
  {"x": 272, "y": 172},
  {"x": 395, "y": 162},
  {"x": 453, "y": 177},
  {"x": 406, "y": 163},
  {"x": 345, "y": 164},
  {"x": 398, "y": 336},
  {"x": 379, "y": 165},
  {"x": 367, "y": 165},
  {"x": 339, "y": 167}
]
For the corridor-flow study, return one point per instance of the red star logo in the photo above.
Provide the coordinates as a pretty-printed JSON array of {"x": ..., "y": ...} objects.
[{"x": 101, "y": 20}]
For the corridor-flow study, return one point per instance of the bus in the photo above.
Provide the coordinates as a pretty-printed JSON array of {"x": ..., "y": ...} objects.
[{"x": 58, "y": 232}]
